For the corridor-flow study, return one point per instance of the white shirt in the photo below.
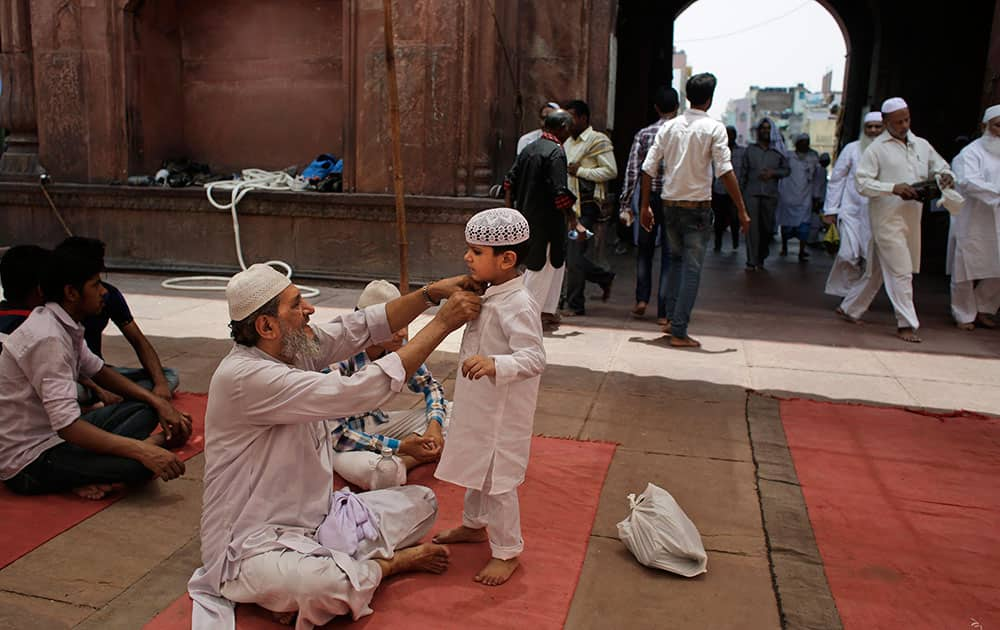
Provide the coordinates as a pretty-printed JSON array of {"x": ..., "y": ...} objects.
[
  {"x": 492, "y": 418},
  {"x": 40, "y": 364},
  {"x": 527, "y": 139},
  {"x": 268, "y": 453},
  {"x": 973, "y": 251},
  {"x": 885, "y": 163},
  {"x": 689, "y": 145}
]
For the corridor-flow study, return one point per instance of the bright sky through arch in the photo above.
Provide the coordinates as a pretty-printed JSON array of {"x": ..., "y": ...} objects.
[{"x": 768, "y": 43}]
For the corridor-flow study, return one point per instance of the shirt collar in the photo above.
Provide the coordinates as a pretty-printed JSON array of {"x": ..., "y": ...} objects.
[
  {"x": 691, "y": 112},
  {"x": 501, "y": 289},
  {"x": 64, "y": 318},
  {"x": 585, "y": 134}
]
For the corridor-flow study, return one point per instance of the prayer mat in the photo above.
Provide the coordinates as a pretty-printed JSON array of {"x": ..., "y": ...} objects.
[
  {"x": 558, "y": 503},
  {"x": 30, "y": 521},
  {"x": 905, "y": 509}
]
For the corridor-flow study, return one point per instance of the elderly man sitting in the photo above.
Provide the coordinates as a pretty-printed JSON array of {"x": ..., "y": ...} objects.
[
  {"x": 415, "y": 436},
  {"x": 268, "y": 452}
]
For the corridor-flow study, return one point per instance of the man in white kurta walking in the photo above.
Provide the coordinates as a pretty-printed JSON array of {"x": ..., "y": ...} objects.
[
  {"x": 502, "y": 359},
  {"x": 268, "y": 454},
  {"x": 849, "y": 209},
  {"x": 889, "y": 168},
  {"x": 973, "y": 253}
]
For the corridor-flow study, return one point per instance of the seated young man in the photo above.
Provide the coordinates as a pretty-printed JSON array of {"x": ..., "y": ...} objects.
[
  {"x": 46, "y": 444},
  {"x": 415, "y": 436},
  {"x": 152, "y": 376},
  {"x": 21, "y": 275}
]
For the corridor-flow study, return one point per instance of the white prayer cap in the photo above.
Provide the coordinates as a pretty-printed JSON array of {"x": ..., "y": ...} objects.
[
  {"x": 497, "y": 226},
  {"x": 873, "y": 117},
  {"x": 252, "y": 288},
  {"x": 377, "y": 292},
  {"x": 893, "y": 104},
  {"x": 991, "y": 113}
]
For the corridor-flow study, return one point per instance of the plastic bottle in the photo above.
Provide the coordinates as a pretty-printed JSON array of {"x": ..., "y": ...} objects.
[{"x": 385, "y": 472}]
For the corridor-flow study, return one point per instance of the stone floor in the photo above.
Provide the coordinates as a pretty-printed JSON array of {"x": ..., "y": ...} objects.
[{"x": 679, "y": 415}]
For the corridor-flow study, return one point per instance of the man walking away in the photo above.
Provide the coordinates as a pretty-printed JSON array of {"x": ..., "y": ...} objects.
[{"x": 764, "y": 163}]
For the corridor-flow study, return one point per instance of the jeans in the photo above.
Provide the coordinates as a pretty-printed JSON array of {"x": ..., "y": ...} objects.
[
  {"x": 645, "y": 252},
  {"x": 140, "y": 377},
  {"x": 581, "y": 267},
  {"x": 66, "y": 466},
  {"x": 688, "y": 232}
]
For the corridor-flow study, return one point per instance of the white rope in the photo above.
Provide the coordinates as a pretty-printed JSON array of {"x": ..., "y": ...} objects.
[{"x": 250, "y": 179}]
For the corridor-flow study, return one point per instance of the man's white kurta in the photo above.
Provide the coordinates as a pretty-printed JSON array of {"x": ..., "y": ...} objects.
[
  {"x": 973, "y": 253},
  {"x": 853, "y": 223},
  {"x": 492, "y": 418},
  {"x": 268, "y": 454},
  {"x": 895, "y": 222}
]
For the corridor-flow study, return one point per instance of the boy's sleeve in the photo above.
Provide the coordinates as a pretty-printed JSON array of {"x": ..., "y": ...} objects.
[{"x": 527, "y": 358}]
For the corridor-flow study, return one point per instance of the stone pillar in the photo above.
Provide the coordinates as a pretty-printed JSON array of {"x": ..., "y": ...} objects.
[{"x": 17, "y": 94}]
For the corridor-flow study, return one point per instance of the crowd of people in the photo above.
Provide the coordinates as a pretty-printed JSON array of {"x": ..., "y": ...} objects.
[{"x": 295, "y": 402}]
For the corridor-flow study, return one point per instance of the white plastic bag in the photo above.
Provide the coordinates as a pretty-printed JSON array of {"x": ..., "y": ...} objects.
[{"x": 660, "y": 535}]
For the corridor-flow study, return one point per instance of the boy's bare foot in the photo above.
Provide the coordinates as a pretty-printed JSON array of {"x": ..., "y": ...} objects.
[
  {"x": 496, "y": 571},
  {"x": 461, "y": 534},
  {"x": 684, "y": 342},
  {"x": 427, "y": 557},
  {"x": 908, "y": 334},
  {"x": 96, "y": 491}
]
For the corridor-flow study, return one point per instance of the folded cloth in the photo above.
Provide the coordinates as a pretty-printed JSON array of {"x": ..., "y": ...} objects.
[{"x": 348, "y": 523}]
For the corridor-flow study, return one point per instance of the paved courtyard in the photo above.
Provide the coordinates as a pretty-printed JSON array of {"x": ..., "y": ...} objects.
[{"x": 680, "y": 417}]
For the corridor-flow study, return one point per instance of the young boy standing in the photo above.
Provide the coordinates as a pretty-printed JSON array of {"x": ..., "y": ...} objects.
[{"x": 502, "y": 359}]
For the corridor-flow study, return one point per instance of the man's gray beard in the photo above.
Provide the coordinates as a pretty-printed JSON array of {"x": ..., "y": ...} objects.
[
  {"x": 865, "y": 141},
  {"x": 992, "y": 144},
  {"x": 298, "y": 346}
]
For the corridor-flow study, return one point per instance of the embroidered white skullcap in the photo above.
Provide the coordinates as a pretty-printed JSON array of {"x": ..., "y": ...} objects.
[
  {"x": 991, "y": 113},
  {"x": 252, "y": 288},
  {"x": 893, "y": 104},
  {"x": 377, "y": 292},
  {"x": 497, "y": 226},
  {"x": 873, "y": 117}
]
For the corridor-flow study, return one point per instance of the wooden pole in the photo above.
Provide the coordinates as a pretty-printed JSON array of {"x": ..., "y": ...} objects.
[{"x": 397, "y": 158}]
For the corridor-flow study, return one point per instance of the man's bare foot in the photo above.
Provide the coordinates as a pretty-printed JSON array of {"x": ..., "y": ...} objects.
[
  {"x": 967, "y": 326},
  {"x": 639, "y": 309},
  {"x": 96, "y": 491},
  {"x": 986, "y": 320},
  {"x": 284, "y": 618},
  {"x": 428, "y": 557},
  {"x": 496, "y": 571},
  {"x": 665, "y": 326},
  {"x": 684, "y": 342},
  {"x": 461, "y": 534},
  {"x": 842, "y": 314},
  {"x": 908, "y": 334}
]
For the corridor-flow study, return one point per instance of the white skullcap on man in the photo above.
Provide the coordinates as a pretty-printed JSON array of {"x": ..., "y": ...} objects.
[
  {"x": 377, "y": 292},
  {"x": 497, "y": 227},
  {"x": 893, "y": 104},
  {"x": 991, "y": 113},
  {"x": 873, "y": 117},
  {"x": 252, "y": 288}
]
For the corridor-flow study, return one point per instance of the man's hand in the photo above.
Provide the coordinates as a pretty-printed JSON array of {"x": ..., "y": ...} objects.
[
  {"x": 478, "y": 366},
  {"x": 947, "y": 181},
  {"x": 625, "y": 216},
  {"x": 106, "y": 397},
  {"x": 744, "y": 221},
  {"x": 421, "y": 448},
  {"x": 163, "y": 391},
  {"x": 443, "y": 289},
  {"x": 829, "y": 219},
  {"x": 461, "y": 307},
  {"x": 646, "y": 218},
  {"x": 572, "y": 168},
  {"x": 766, "y": 174},
  {"x": 435, "y": 432},
  {"x": 176, "y": 425},
  {"x": 905, "y": 191},
  {"x": 161, "y": 462}
]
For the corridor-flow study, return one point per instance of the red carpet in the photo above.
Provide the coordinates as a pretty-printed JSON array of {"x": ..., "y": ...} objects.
[
  {"x": 558, "y": 504},
  {"x": 905, "y": 507},
  {"x": 31, "y": 521}
]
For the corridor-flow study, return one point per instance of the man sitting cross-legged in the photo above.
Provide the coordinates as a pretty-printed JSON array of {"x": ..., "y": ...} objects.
[
  {"x": 46, "y": 444},
  {"x": 415, "y": 436}
]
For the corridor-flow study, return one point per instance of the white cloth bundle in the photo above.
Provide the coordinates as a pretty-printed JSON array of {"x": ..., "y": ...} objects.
[{"x": 660, "y": 535}]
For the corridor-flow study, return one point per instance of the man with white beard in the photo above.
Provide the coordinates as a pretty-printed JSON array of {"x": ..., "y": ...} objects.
[
  {"x": 889, "y": 168},
  {"x": 845, "y": 206},
  {"x": 266, "y": 534},
  {"x": 973, "y": 254}
]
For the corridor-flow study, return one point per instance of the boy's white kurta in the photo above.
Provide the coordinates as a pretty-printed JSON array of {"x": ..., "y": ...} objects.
[
  {"x": 895, "y": 222},
  {"x": 844, "y": 200},
  {"x": 268, "y": 470},
  {"x": 492, "y": 418},
  {"x": 973, "y": 253}
]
